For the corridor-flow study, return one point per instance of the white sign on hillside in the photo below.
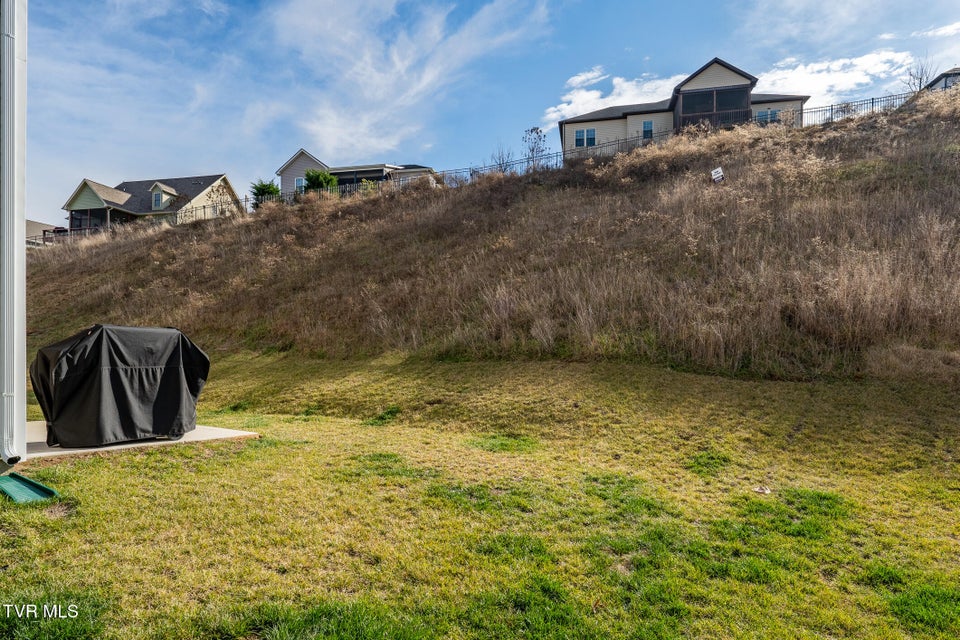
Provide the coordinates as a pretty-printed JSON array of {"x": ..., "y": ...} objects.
[
  {"x": 717, "y": 175},
  {"x": 13, "y": 240}
]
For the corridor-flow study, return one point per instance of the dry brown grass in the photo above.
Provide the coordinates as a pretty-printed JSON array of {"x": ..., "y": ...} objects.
[{"x": 827, "y": 251}]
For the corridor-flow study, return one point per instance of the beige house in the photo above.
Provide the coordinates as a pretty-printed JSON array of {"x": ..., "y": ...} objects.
[
  {"x": 293, "y": 172},
  {"x": 36, "y": 231},
  {"x": 717, "y": 92},
  {"x": 94, "y": 205}
]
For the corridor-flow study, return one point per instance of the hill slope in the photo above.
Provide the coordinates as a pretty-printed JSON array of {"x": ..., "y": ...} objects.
[{"x": 829, "y": 250}]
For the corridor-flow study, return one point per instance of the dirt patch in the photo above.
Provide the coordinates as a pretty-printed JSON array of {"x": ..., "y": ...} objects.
[{"x": 60, "y": 510}]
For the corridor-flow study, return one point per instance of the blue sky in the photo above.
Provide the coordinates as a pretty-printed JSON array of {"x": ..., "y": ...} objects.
[{"x": 138, "y": 89}]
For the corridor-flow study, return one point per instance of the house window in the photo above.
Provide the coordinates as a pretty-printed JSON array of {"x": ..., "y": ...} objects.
[
  {"x": 648, "y": 129},
  {"x": 585, "y": 138},
  {"x": 300, "y": 184},
  {"x": 157, "y": 200},
  {"x": 768, "y": 116}
]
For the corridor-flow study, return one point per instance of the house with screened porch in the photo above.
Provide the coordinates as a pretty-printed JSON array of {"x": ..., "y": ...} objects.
[{"x": 717, "y": 93}]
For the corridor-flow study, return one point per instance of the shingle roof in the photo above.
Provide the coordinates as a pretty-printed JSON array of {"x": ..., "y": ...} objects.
[
  {"x": 621, "y": 111},
  {"x": 761, "y": 98},
  {"x": 946, "y": 74},
  {"x": 109, "y": 195},
  {"x": 140, "y": 198}
]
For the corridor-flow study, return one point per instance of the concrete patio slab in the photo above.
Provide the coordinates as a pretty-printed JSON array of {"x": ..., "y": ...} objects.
[{"x": 37, "y": 440}]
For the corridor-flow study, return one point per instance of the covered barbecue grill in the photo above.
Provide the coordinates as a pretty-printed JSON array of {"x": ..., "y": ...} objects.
[{"x": 110, "y": 384}]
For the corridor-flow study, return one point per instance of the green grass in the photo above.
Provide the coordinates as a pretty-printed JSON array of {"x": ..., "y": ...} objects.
[
  {"x": 504, "y": 443},
  {"x": 508, "y": 500},
  {"x": 708, "y": 463},
  {"x": 929, "y": 607},
  {"x": 383, "y": 417}
]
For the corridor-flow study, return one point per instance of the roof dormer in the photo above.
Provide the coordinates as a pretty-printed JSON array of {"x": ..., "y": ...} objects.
[{"x": 161, "y": 195}]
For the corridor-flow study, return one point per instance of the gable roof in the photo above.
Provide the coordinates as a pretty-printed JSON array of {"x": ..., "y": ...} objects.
[
  {"x": 140, "y": 197},
  {"x": 136, "y": 196},
  {"x": 110, "y": 197},
  {"x": 164, "y": 187},
  {"x": 946, "y": 74},
  {"x": 302, "y": 151},
  {"x": 723, "y": 63}
]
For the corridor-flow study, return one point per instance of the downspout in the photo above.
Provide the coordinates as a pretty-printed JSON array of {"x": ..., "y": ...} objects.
[{"x": 13, "y": 350}]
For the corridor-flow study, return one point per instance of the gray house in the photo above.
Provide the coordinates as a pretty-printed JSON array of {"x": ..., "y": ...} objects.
[
  {"x": 94, "y": 205},
  {"x": 293, "y": 172},
  {"x": 717, "y": 92}
]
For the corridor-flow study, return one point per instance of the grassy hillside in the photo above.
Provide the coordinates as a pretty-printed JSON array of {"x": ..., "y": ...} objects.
[{"x": 829, "y": 250}]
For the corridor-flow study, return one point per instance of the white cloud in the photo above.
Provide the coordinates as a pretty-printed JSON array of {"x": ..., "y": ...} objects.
[
  {"x": 887, "y": 36},
  {"x": 259, "y": 115},
  {"x": 940, "y": 32},
  {"x": 133, "y": 11},
  {"x": 213, "y": 7},
  {"x": 587, "y": 78},
  {"x": 808, "y": 21},
  {"x": 331, "y": 128},
  {"x": 380, "y": 74},
  {"x": 832, "y": 81},
  {"x": 581, "y": 100}
]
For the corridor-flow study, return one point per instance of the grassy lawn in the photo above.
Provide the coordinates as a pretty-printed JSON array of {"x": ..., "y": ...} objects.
[{"x": 390, "y": 498}]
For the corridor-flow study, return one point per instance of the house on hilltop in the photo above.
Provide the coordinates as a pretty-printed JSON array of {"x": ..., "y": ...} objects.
[
  {"x": 293, "y": 172},
  {"x": 718, "y": 93},
  {"x": 96, "y": 206},
  {"x": 945, "y": 80}
]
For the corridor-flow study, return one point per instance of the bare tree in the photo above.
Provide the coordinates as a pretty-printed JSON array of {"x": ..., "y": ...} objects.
[
  {"x": 536, "y": 145},
  {"x": 919, "y": 74},
  {"x": 502, "y": 159}
]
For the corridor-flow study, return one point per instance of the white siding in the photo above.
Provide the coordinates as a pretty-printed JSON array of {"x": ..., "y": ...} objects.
[
  {"x": 295, "y": 170},
  {"x": 716, "y": 75},
  {"x": 662, "y": 121},
  {"x": 607, "y": 131}
]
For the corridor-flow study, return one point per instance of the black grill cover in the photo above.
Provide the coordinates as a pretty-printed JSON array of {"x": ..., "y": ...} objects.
[{"x": 111, "y": 384}]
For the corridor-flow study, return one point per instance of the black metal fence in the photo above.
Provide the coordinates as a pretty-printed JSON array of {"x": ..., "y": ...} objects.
[{"x": 834, "y": 112}]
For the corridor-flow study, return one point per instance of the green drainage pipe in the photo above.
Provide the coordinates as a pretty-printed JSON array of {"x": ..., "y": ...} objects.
[{"x": 21, "y": 489}]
